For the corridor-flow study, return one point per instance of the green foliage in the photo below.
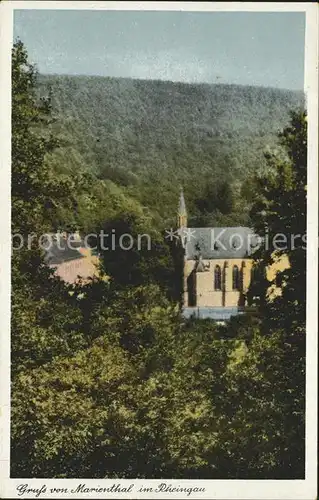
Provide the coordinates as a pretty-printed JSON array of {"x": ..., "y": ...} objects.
[
  {"x": 216, "y": 196},
  {"x": 137, "y": 126},
  {"x": 71, "y": 411},
  {"x": 141, "y": 389},
  {"x": 280, "y": 209},
  {"x": 37, "y": 193},
  {"x": 266, "y": 414},
  {"x": 140, "y": 257},
  {"x": 107, "y": 379},
  {"x": 37, "y": 196},
  {"x": 152, "y": 136},
  {"x": 45, "y": 323}
]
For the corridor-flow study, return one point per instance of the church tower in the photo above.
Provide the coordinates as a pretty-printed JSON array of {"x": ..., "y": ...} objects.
[{"x": 181, "y": 214}]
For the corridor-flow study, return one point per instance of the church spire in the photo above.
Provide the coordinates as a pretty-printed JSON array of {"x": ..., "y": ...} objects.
[{"x": 182, "y": 214}]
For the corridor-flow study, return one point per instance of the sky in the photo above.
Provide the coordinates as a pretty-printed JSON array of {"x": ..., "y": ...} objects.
[{"x": 249, "y": 48}]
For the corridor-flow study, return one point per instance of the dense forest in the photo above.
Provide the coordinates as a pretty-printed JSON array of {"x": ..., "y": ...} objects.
[
  {"x": 152, "y": 136},
  {"x": 108, "y": 380}
]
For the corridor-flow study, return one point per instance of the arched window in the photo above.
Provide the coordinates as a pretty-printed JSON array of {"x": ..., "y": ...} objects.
[
  {"x": 236, "y": 278},
  {"x": 218, "y": 278}
]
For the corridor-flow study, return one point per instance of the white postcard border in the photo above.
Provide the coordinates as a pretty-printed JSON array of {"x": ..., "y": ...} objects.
[{"x": 221, "y": 489}]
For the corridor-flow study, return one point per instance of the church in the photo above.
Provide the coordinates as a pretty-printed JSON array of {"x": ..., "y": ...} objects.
[{"x": 217, "y": 268}]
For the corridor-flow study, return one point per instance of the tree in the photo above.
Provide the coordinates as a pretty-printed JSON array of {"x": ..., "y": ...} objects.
[
  {"x": 45, "y": 318},
  {"x": 225, "y": 198},
  {"x": 281, "y": 210},
  {"x": 89, "y": 414},
  {"x": 108, "y": 380},
  {"x": 37, "y": 193},
  {"x": 134, "y": 252},
  {"x": 74, "y": 417}
]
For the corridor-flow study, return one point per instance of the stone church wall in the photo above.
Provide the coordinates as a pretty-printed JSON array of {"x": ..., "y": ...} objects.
[{"x": 204, "y": 287}]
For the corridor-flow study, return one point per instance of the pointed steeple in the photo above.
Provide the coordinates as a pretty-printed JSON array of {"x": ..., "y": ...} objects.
[{"x": 182, "y": 213}]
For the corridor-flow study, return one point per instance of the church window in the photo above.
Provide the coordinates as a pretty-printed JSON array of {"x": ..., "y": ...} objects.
[
  {"x": 236, "y": 278},
  {"x": 218, "y": 278}
]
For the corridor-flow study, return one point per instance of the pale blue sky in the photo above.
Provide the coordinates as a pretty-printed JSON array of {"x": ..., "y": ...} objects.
[{"x": 234, "y": 47}]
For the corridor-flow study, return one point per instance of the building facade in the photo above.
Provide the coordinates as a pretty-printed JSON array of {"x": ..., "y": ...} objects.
[
  {"x": 72, "y": 260},
  {"x": 217, "y": 269}
]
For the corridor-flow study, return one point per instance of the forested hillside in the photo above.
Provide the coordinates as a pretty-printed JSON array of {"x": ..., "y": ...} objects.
[
  {"x": 152, "y": 136},
  {"x": 108, "y": 380}
]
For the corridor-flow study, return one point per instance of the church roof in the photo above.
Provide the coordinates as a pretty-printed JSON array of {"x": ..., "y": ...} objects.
[
  {"x": 62, "y": 252},
  {"x": 71, "y": 263},
  {"x": 220, "y": 243}
]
